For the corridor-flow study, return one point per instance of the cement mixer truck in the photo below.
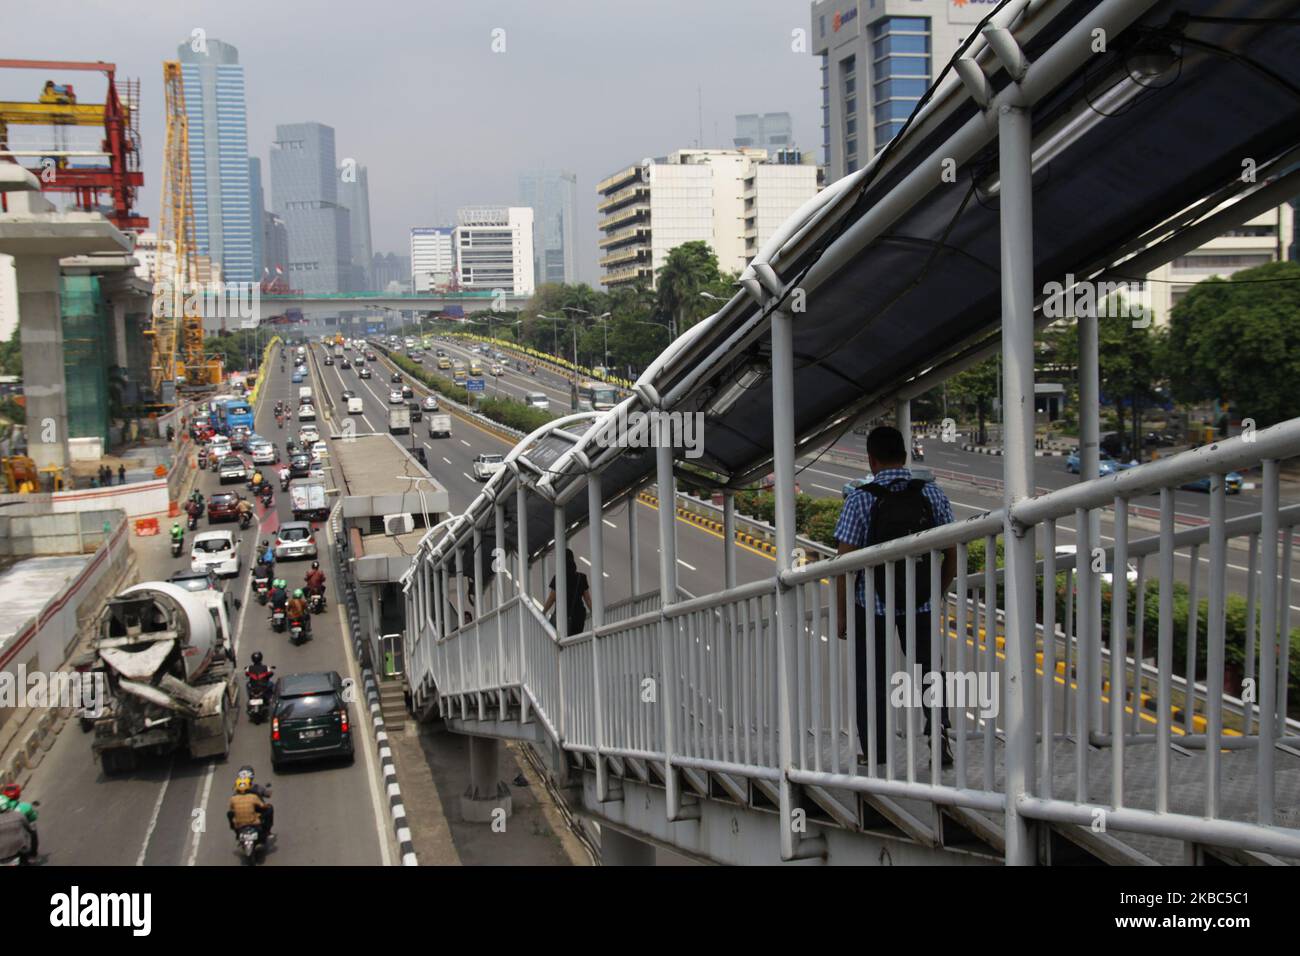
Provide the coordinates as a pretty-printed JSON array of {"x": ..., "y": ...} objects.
[{"x": 165, "y": 662}]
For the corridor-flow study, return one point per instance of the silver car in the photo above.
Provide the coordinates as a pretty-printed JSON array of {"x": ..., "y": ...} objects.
[{"x": 295, "y": 539}]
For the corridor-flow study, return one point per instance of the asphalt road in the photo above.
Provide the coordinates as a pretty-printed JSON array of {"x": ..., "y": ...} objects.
[{"x": 172, "y": 811}]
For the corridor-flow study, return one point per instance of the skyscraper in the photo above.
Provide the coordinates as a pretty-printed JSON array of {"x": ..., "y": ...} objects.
[
  {"x": 354, "y": 193},
  {"x": 219, "y": 169},
  {"x": 258, "y": 205},
  {"x": 304, "y": 188},
  {"x": 770, "y": 131},
  {"x": 433, "y": 261},
  {"x": 553, "y": 197}
]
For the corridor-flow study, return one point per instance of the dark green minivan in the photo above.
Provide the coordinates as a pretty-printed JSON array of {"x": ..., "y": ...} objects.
[{"x": 309, "y": 718}]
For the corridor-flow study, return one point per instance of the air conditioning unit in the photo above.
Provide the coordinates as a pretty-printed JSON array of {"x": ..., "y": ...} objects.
[{"x": 398, "y": 524}]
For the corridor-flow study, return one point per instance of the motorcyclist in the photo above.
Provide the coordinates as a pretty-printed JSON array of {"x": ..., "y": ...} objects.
[
  {"x": 11, "y": 799},
  {"x": 249, "y": 808},
  {"x": 279, "y": 597},
  {"x": 178, "y": 533},
  {"x": 315, "y": 579},
  {"x": 196, "y": 496},
  {"x": 256, "y": 480},
  {"x": 257, "y": 672},
  {"x": 192, "y": 510},
  {"x": 297, "y": 610},
  {"x": 266, "y": 554},
  {"x": 284, "y": 477}
]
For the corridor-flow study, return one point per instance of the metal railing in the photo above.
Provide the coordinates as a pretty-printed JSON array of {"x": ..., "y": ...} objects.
[{"x": 1188, "y": 763}]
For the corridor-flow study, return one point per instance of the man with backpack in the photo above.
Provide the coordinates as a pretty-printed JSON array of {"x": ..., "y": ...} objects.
[{"x": 894, "y": 505}]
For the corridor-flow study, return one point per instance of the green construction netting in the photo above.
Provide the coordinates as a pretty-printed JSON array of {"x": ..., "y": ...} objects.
[{"x": 85, "y": 357}]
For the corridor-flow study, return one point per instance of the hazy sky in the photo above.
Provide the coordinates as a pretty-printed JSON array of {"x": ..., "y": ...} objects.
[{"x": 416, "y": 93}]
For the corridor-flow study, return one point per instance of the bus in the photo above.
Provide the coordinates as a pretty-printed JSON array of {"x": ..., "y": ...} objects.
[
  {"x": 596, "y": 396},
  {"x": 232, "y": 414}
]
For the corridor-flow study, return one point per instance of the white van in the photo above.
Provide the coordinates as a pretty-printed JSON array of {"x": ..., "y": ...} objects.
[
  {"x": 304, "y": 394},
  {"x": 356, "y": 406}
]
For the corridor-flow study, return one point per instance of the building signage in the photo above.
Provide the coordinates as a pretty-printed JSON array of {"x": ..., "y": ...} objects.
[
  {"x": 843, "y": 18},
  {"x": 970, "y": 11}
]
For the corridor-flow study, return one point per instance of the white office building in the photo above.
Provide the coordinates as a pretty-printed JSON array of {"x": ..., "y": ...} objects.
[
  {"x": 715, "y": 195},
  {"x": 8, "y": 298},
  {"x": 1259, "y": 241},
  {"x": 878, "y": 57},
  {"x": 494, "y": 249},
  {"x": 433, "y": 259}
]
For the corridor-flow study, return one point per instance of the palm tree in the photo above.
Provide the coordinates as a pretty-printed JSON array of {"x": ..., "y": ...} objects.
[{"x": 690, "y": 269}]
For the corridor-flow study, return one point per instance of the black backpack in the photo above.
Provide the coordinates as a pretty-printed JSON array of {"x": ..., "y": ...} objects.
[{"x": 897, "y": 514}]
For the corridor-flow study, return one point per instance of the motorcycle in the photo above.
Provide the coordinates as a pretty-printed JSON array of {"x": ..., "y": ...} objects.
[
  {"x": 297, "y": 632},
  {"x": 258, "y": 692},
  {"x": 194, "y": 521},
  {"x": 284, "y": 484},
  {"x": 245, "y": 519},
  {"x": 277, "y": 620},
  {"x": 266, "y": 494},
  {"x": 316, "y": 602},
  {"x": 918, "y": 451},
  {"x": 262, "y": 588},
  {"x": 250, "y": 843},
  {"x": 203, "y": 460},
  {"x": 177, "y": 544}
]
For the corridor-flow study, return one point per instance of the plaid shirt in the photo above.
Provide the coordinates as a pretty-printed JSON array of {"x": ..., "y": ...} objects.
[{"x": 854, "y": 526}]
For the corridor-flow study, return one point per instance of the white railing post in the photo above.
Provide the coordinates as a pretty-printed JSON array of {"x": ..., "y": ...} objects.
[
  {"x": 561, "y": 610},
  {"x": 521, "y": 584},
  {"x": 633, "y": 549},
  {"x": 667, "y": 694},
  {"x": 1089, "y": 468},
  {"x": 793, "y": 845},
  {"x": 498, "y": 589},
  {"x": 729, "y": 539},
  {"x": 476, "y": 598},
  {"x": 1014, "y": 147},
  {"x": 596, "y": 535}
]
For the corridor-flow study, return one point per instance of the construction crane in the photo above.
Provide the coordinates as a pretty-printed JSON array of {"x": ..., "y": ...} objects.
[
  {"x": 110, "y": 188},
  {"x": 177, "y": 333}
]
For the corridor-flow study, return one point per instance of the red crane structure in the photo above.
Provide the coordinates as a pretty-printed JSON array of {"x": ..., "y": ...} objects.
[{"x": 121, "y": 178}]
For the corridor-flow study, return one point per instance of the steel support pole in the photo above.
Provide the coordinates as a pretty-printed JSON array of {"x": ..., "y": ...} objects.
[
  {"x": 521, "y": 585},
  {"x": 729, "y": 539},
  {"x": 633, "y": 548},
  {"x": 1089, "y": 468},
  {"x": 793, "y": 845},
  {"x": 561, "y": 609},
  {"x": 596, "y": 537},
  {"x": 666, "y": 693},
  {"x": 903, "y": 422},
  {"x": 1017, "y": 253},
  {"x": 499, "y": 592}
]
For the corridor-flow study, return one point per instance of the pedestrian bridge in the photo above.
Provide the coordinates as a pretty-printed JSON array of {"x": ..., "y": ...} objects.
[{"x": 1116, "y": 725}]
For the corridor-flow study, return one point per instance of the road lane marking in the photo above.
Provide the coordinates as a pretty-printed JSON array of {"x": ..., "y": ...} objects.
[
  {"x": 203, "y": 810},
  {"x": 467, "y": 476},
  {"x": 688, "y": 567},
  {"x": 153, "y": 818},
  {"x": 609, "y": 523},
  {"x": 465, "y": 443},
  {"x": 446, "y": 459}
]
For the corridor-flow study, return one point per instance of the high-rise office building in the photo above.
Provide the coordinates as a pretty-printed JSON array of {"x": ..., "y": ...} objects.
[
  {"x": 258, "y": 204},
  {"x": 433, "y": 260},
  {"x": 733, "y": 199},
  {"x": 878, "y": 57},
  {"x": 275, "y": 247},
  {"x": 388, "y": 271},
  {"x": 304, "y": 188},
  {"x": 770, "y": 131},
  {"x": 213, "y": 82},
  {"x": 494, "y": 249},
  {"x": 354, "y": 194},
  {"x": 553, "y": 197}
]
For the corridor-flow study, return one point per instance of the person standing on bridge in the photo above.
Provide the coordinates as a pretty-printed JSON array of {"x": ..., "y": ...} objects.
[
  {"x": 894, "y": 505},
  {"x": 579, "y": 595}
]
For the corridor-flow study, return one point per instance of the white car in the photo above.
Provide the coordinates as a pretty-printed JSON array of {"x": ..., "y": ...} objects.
[
  {"x": 219, "y": 447},
  {"x": 263, "y": 452},
  {"x": 485, "y": 466},
  {"x": 316, "y": 470},
  {"x": 356, "y": 406},
  {"x": 1066, "y": 560},
  {"x": 497, "y": 369},
  {"x": 306, "y": 413},
  {"x": 538, "y": 400},
  {"x": 216, "y": 551},
  {"x": 430, "y": 404},
  {"x": 395, "y": 396},
  {"x": 317, "y": 452},
  {"x": 308, "y": 434}
]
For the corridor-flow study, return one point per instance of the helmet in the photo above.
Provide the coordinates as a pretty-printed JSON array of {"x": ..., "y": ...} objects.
[
  {"x": 315, "y": 565},
  {"x": 243, "y": 784},
  {"x": 257, "y": 657},
  {"x": 265, "y": 543},
  {"x": 297, "y": 592},
  {"x": 176, "y": 525},
  {"x": 12, "y": 790}
]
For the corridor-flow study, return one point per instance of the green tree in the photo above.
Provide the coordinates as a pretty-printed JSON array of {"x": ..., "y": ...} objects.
[
  {"x": 974, "y": 390},
  {"x": 1238, "y": 341},
  {"x": 690, "y": 269},
  {"x": 11, "y": 355}
]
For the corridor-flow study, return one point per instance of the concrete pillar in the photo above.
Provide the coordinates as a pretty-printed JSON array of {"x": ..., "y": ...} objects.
[
  {"x": 903, "y": 422},
  {"x": 619, "y": 849},
  {"x": 44, "y": 384},
  {"x": 487, "y": 792},
  {"x": 117, "y": 332}
]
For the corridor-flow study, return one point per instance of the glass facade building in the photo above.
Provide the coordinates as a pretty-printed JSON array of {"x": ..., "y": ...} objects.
[
  {"x": 224, "y": 224},
  {"x": 553, "y": 197},
  {"x": 304, "y": 189},
  {"x": 900, "y": 73}
]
